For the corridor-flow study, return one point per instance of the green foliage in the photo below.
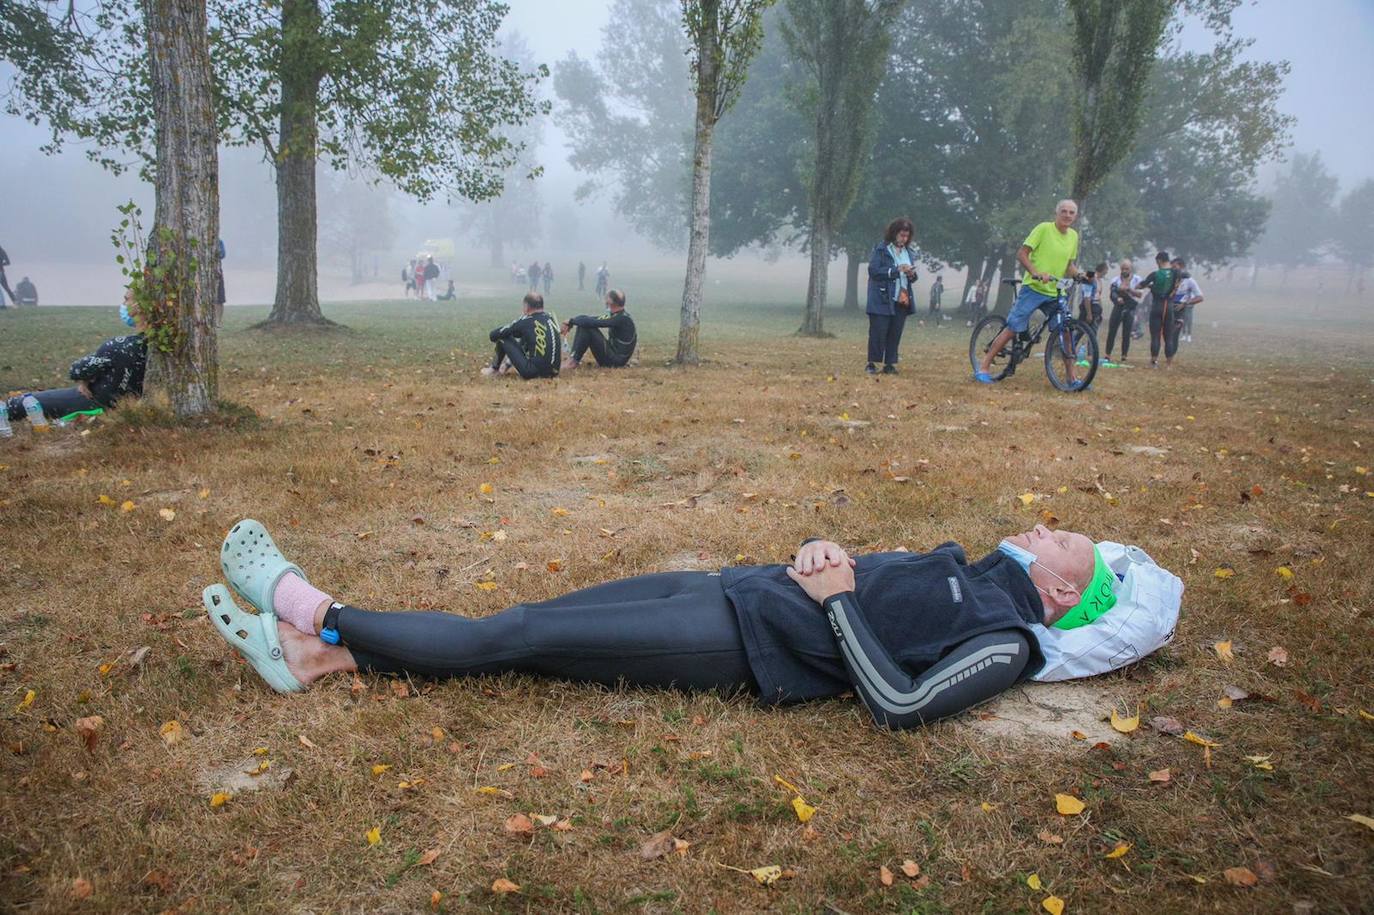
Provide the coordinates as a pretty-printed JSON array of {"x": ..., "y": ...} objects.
[
  {"x": 1353, "y": 238},
  {"x": 413, "y": 91},
  {"x": 723, "y": 37},
  {"x": 628, "y": 116},
  {"x": 156, "y": 274},
  {"x": 1115, "y": 44},
  {"x": 1300, "y": 224}
]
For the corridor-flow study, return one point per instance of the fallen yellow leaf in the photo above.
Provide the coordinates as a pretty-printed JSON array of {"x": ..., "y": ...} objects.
[
  {"x": 560, "y": 512},
  {"x": 988, "y": 808},
  {"x": 26, "y": 701},
  {"x": 804, "y": 810},
  {"x": 1053, "y": 904},
  {"x": 171, "y": 732},
  {"x": 204, "y": 494},
  {"x": 219, "y": 798},
  {"x": 166, "y": 514},
  {"x": 379, "y": 768},
  {"x": 1366, "y": 716},
  {"x": 1033, "y": 881},
  {"x": 1200, "y": 741},
  {"x": 105, "y": 500},
  {"x": 1260, "y": 762},
  {"x": 485, "y": 489},
  {"x": 128, "y": 505},
  {"x": 1284, "y": 572},
  {"x": 501, "y": 886},
  {"x": 1068, "y": 805},
  {"x": 1361, "y": 819},
  {"x": 486, "y": 586},
  {"x": 492, "y": 791},
  {"x": 1026, "y": 498},
  {"x": 1119, "y": 851},
  {"x": 1125, "y": 725},
  {"x": 767, "y": 875},
  {"x": 1224, "y": 572},
  {"x": 1223, "y": 650},
  {"x": 374, "y": 836}
]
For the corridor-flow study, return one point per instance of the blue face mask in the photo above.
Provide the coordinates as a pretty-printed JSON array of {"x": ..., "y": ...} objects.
[
  {"x": 1023, "y": 556},
  {"x": 125, "y": 316}
]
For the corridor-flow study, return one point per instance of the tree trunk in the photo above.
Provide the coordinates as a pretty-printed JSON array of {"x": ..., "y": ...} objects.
[
  {"x": 851, "y": 282},
  {"x": 1005, "y": 291},
  {"x": 186, "y": 224},
  {"x": 814, "y": 324},
  {"x": 708, "y": 85},
  {"x": 298, "y": 297}
]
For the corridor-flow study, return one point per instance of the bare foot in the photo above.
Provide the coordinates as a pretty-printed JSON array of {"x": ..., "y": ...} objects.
[{"x": 308, "y": 658}]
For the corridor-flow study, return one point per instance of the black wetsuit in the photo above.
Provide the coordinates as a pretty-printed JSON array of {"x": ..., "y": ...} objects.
[
  {"x": 613, "y": 352},
  {"x": 920, "y": 637},
  {"x": 113, "y": 371},
  {"x": 532, "y": 344},
  {"x": 1162, "y": 283}
]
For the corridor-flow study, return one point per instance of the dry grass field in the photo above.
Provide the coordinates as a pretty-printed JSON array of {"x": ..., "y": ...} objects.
[{"x": 369, "y": 452}]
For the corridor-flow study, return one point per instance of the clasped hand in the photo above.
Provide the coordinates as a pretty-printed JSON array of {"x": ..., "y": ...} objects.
[{"x": 822, "y": 569}]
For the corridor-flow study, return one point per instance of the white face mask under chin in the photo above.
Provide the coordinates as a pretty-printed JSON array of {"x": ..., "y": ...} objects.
[{"x": 1025, "y": 558}]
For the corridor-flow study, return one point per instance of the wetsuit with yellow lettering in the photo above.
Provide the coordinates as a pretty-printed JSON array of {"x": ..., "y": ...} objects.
[{"x": 532, "y": 345}]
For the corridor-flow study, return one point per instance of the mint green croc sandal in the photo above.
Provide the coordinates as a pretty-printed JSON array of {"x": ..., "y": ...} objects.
[
  {"x": 253, "y": 564},
  {"x": 252, "y": 635}
]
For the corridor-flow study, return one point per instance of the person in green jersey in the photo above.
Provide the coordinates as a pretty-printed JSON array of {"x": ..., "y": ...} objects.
[{"x": 1049, "y": 252}]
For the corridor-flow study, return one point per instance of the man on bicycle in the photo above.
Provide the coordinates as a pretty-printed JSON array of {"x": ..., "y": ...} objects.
[{"x": 1049, "y": 252}]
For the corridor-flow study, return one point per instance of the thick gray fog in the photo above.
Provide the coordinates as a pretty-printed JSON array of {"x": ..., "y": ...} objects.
[{"x": 58, "y": 210}]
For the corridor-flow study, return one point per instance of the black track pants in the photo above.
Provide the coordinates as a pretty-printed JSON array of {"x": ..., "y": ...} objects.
[
  {"x": 1123, "y": 317},
  {"x": 591, "y": 338},
  {"x": 1165, "y": 329},
  {"x": 673, "y": 629},
  {"x": 56, "y": 403},
  {"x": 885, "y": 336}
]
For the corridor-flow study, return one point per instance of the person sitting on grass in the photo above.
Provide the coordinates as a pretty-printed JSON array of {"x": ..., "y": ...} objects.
[
  {"x": 917, "y": 636},
  {"x": 620, "y": 327},
  {"x": 114, "y": 371},
  {"x": 530, "y": 344}
]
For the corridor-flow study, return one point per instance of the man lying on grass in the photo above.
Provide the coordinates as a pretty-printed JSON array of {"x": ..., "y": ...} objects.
[{"x": 919, "y": 636}]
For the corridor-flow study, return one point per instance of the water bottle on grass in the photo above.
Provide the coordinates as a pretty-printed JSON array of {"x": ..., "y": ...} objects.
[
  {"x": 6, "y": 431},
  {"x": 34, "y": 411}
]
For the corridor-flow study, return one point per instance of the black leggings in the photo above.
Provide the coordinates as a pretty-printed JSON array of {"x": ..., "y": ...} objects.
[
  {"x": 1166, "y": 328},
  {"x": 56, "y": 403},
  {"x": 1123, "y": 316},
  {"x": 591, "y": 338},
  {"x": 510, "y": 351},
  {"x": 672, "y": 629}
]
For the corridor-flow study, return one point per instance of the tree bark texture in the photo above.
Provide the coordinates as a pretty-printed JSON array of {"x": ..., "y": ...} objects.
[
  {"x": 186, "y": 224},
  {"x": 974, "y": 270},
  {"x": 851, "y": 281},
  {"x": 819, "y": 241},
  {"x": 707, "y": 89},
  {"x": 1005, "y": 291},
  {"x": 298, "y": 298}
]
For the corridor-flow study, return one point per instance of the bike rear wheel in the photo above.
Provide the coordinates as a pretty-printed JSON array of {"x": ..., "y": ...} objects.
[
  {"x": 1072, "y": 344},
  {"x": 980, "y": 342}
]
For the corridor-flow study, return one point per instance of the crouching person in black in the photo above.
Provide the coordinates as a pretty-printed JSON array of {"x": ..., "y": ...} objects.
[
  {"x": 112, "y": 372},
  {"x": 530, "y": 344},
  {"x": 615, "y": 347}
]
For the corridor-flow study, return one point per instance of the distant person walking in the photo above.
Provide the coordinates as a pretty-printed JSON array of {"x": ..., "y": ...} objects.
[
  {"x": 937, "y": 290},
  {"x": 1125, "y": 297},
  {"x": 1187, "y": 295},
  {"x": 408, "y": 277},
  {"x": 603, "y": 280},
  {"x": 431, "y": 278},
  {"x": 548, "y": 277},
  {"x": 419, "y": 277},
  {"x": 4, "y": 283},
  {"x": 534, "y": 275},
  {"x": 219, "y": 281},
  {"x": 581, "y": 275},
  {"x": 891, "y": 273}
]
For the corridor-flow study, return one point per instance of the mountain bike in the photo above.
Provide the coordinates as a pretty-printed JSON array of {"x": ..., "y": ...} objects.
[{"x": 1072, "y": 343}]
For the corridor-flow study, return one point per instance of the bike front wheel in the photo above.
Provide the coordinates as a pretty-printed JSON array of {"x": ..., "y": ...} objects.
[
  {"x": 986, "y": 331},
  {"x": 1071, "y": 356}
]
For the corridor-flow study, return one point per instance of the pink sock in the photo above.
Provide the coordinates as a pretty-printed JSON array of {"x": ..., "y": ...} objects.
[{"x": 296, "y": 601}]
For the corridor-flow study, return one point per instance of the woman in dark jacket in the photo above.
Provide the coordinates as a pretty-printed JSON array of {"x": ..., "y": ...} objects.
[{"x": 891, "y": 273}]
